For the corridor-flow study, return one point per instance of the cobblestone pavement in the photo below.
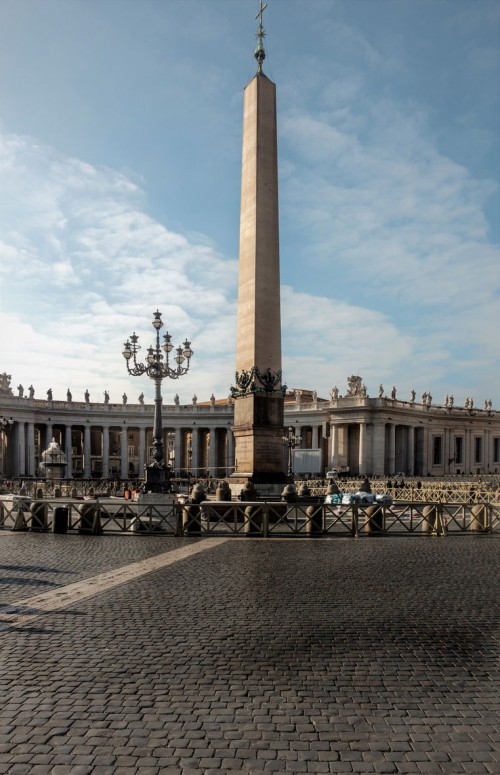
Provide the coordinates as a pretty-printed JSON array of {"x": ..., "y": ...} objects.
[{"x": 376, "y": 655}]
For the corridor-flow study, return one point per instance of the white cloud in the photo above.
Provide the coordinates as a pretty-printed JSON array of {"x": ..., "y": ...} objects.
[{"x": 84, "y": 265}]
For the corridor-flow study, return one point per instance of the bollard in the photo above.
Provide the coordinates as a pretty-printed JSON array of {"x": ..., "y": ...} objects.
[
  {"x": 430, "y": 521},
  {"x": 191, "y": 520},
  {"x": 60, "y": 520},
  {"x": 90, "y": 522},
  {"x": 223, "y": 491},
  {"x": 314, "y": 523},
  {"x": 374, "y": 519},
  {"x": 38, "y": 516},
  {"x": 191, "y": 513},
  {"x": 253, "y": 521},
  {"x": 479, "y": 518},
  {"x": 20, "y": 520}
]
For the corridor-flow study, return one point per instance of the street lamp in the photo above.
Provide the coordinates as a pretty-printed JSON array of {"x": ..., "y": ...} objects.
[
  {"x": 157, "y": 367},
  {"x": 6, "y": 423},
  {"x": 291, "y": 441}
]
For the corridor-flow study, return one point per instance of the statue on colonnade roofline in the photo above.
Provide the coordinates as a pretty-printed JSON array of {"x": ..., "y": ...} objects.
[
  {"x": 424, "y": 398},
  {"x": 212, "y": 399},
  {"x": 356, "y": 387},
  {"x": 5, "y": 388},
  {"x": 106, "y": 397},
  {"x": 87, "y": 396},
  {"x": 393, "y": 393},
  {"x": 334, "y": 393},
  {"x": 20, "y": 391},
  {"x": 380, "y": 391},
  {"x": 124, "y": 398},
  {"x": 49, "y": 394},
  {"x": 31, "y": 391},
  {"x": 195, "y": 399},
  {"x": 141, "y": 398},
  {"x": 69, "y": 397},
  {"x": 412, "y": 396},
  {"x": 451, "y": 401},
  {"x": 428, "y": 399},
  {"x": 176, "y": 399}
]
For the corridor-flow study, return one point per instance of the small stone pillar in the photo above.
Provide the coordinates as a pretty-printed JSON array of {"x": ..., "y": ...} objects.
[
  {"x": 479, "y": 517},
  {"x": 374, "y": 519},
  {"x": 191, "y": 513}
]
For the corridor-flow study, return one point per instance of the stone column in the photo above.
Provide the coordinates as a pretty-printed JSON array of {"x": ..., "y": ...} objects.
[
  {"x": 195, "y": 450},
  {"x": 487, "y": 452},
  {"x": 362, "y": 449},
  {"x": 334, "y": 435},
  {"x": 21, "y": 450},
  {"x": 391, "y": 462},
  {"x": 411, "y": 450},
  {"x": 68, "y": 451},
  {"x": 212, "y": 452},
  {"x": 31, "y": 449},
  {"x": 378, "y": 450},
  {"x": 87, "y": 470},
  {"x": 105, "y": 451},
  {"x": 425, "y": 452},
  {"x": 142, "y": 449},
  {"x": 179, "y": 463},
  {"x": 124, "y": 452},
  {"x": 48, "y": 435},
  {"x": 230, "y": 451}
]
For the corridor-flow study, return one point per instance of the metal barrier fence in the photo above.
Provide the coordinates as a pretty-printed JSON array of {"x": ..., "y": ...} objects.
[
  {"x": 474, "y": 490},
  {"x": 259, "y": 519}
]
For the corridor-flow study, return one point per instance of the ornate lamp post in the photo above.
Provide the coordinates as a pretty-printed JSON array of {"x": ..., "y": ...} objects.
[
  {"x": 6, "y": 423},
  {"x": 291, "y": 441},
  {"x": 157, "y": 367}
]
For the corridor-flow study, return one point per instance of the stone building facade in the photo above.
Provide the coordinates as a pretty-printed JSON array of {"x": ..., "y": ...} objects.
[{"x": 362, "y": 435}]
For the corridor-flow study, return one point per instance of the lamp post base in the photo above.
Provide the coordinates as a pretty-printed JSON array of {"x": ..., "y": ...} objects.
[{"x": 157, "y": 479}]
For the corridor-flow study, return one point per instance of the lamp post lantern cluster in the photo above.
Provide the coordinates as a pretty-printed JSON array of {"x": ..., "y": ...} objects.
[
  {"x": 157, "y": 366},
  {"x": 291, "y": 441}
]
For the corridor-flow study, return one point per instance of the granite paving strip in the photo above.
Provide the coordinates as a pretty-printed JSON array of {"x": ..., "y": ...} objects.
[{"x": 28, "y": 609}]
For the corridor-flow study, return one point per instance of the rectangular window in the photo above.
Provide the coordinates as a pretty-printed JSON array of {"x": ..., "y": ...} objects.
[
  {"x": 131, "y": 451},
  {"x": 459, "y": 450},
  {"x": 496, "y": 450},
  {"x": 438, "y": 451},
  {"x": 478, "y": 449}
]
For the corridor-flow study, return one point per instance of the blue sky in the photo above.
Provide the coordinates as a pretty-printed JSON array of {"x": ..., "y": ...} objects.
[{"x": 120, "y": 185}]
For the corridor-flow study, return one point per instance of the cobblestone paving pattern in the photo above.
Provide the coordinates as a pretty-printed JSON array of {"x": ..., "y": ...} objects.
[
  {"x": 369, "y": 656},
  {"x": 30, "y": 565}
]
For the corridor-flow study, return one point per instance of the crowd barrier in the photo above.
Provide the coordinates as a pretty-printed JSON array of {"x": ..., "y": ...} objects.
[{"x": 246, "y": 519}]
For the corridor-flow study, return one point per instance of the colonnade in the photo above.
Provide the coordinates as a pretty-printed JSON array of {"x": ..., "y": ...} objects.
[
  {"x": 381, "y": 448},
  {"x": 359, "y": 435},
  {"x": 119, "y": 451}
]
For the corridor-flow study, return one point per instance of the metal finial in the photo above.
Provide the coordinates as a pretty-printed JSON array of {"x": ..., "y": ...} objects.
[{"x": 260, "y": 52}]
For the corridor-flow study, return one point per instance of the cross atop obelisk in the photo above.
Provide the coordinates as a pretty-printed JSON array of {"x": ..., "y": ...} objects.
[
  {"x": 258, "y": 390},
  {"x": 260, "y": 52}
]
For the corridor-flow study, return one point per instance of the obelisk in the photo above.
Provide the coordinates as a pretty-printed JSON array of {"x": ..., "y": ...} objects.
[{"x": 258, "y": 392}]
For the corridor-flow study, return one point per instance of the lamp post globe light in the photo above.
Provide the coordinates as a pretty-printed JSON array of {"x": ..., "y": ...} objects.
[
  {"x": 291, "y": 441},
  {"x": 157, "y": 366}
]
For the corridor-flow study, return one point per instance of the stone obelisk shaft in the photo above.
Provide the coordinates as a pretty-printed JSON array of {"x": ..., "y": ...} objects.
[
  {"x": 258, "y": 413},
  {"x": 259, "y": 319}
]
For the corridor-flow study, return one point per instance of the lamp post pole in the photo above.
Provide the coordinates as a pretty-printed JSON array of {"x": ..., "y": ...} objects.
[
  {"x": 291, "y": 441},
  {"x": 157, "y": 367}
]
